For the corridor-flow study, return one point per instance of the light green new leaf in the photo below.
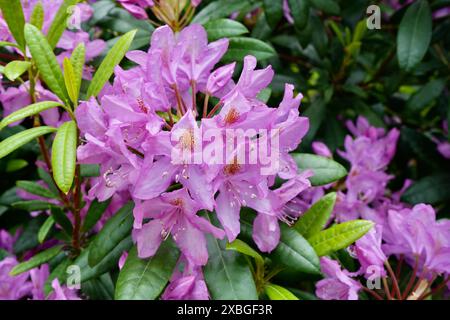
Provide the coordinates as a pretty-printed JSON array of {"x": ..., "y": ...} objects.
[
  {"x": 59, "y": 23},
  {"x": 112, "y": 59},
  {"x": 315, "y": 218},
  {"x": 45, "y": 229},
  {"x": 224, "y": 28},
  {"x": 414, "y": 35},
  {"x": 325, "y": 170},
  {"x": 64, "y": 151},
  {"x": 275, "y": 292},
  {"x": 8, "y": 44},
  {"x": 13, "y": 14},
  {"x": 15, "y": 69},
  {"x": 240, "y": 47},
  {"x": 16, "y": 141},
  {"x": 145, "y": 279},
  {"x": 35, "y": 188},
  {"x": 77, "y": 59},
  {"x": 46, "y": 61},
  {"x": 36, "y": 261},
  {"x": 339, "y": 236},
  {"x": 28, "y": 111},
  {"x": 242, "y": 247},
  {"x": 70, "y": 81},
  {"x": 37, "y": 16}
]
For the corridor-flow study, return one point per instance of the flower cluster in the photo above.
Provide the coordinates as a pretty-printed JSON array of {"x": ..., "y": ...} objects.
[
  {"x": 410, "y": 234},
  {"x": 148, "y": 119}
]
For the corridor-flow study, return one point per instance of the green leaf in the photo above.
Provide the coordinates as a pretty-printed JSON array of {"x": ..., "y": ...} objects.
[
  {"x": 339, "y": 236},
  {"x": 89, "y": 170},
  {"x": 432, "y": 189},
  {"x": 414, "y": 35},
  {"x": 422, "y": 98},
  {"x": 28, "y": 111},
  {"x": 240, "y": 47},
  {"x": 15, "y": 69},
  {"x": 219, "y": 9},
  {"x": 45, "y": 61},
  {"x": 32, "y": 205},
  {"x": 275, "y": 292},
  {"x": 59, "y": 23},
  {"x": 45, "y": 229},
  {"x": 325, "y": 170},
  {"x": 108, "y": 262},
  {"x": 64, "y": 154},
  {"x": 37, "y": 16},
  {"x": 145, "y": 279},
  {"x": 242, "y": 247},
  {"x": 227, "y": 274},
  {"x": 295, "y": 253},
  {"x": 112, "y": 59},
  {"x": 61, "y": 219},
  {"x": 14, "y": 165},
  {"x": 113, "y": 232},
  {"x": 273, "y": 11},
  {"x": 70, "y": 81},
  {"x": 8, "y": 44},
  {"x": 60, "y": 273},
  {"x": 328, "y": 6},
  {"x": 35, "y": 188},
  {"x": 16, "y": 141},
  {"x": 315, "y": 218},
  {"x": 95, "y": 212},
  {"x": 224, "y": 28},
  {"x": 300, "y": 9},
  {"x": 36, "y": 261},
  {"x": 264, "y": 95},
  {"x": 13, "y": 14},
  {"x": 77, "y": 59}
]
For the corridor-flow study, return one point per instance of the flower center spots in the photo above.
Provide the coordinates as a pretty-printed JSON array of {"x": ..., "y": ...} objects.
[
  {"x": 232, "y": 169},
  {"x": 177, "y": 202},
  {"x": 187, "y": 140},
  {"x": 232, "y": 116},
  {"x": 141, "y": 105}
]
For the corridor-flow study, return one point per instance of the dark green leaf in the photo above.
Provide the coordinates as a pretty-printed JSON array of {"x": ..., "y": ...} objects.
[
  {"x": 45, "y": 229},
  {"x": 94, "y": 213},
  {"x": 224, "y": 28},
  {"x": 60, "y": 218},
  {"x": 35, "y": 188},
  {"x": 240, "y": 47},
  {"x": 432, "y": 189},
  {"x": 300, "y": 13},
  {"x": 325, "y": 170},
  {"x": 273, "y": 10},
  {"x": 37, "y": 260},
  {"x": 145, "y": 279}
]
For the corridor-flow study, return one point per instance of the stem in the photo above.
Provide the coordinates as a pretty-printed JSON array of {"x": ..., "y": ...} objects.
[
  {"x": 412, "y": 279},
  {"x": 373, "y": 293},
  {"x": 76, "y": 211},
  {"x": 179, "y": 101},
  {"x": 386, "y": 289},
  {"x": 213, "y": 111},
  {"x": 205, "y": 106},
  {"x": 438, "y": 288},
  {"x": 394, "y": 280},
  {"x": 194, "y": 97}
]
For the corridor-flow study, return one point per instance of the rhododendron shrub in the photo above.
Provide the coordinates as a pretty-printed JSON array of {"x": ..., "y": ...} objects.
[{"x": 195, "y": 150}]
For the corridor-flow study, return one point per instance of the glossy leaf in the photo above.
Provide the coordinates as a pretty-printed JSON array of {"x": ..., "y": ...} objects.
[
  {"x": 315, "y": 218},
  {"x": 431, "y": 189},
  {"x": 273, "y": 11},
  {"x": 145, "y": 279},
  {"x": 242, "y": 247},
  {"x": 325, "y": 170},
  {"x": 32, "y": 205},
  {"x": 28, "y": 111},
  {"x": 59, "y": 22},
  {"x": 45, "y": 229},
  {"x": 45, "y": 60},
  {"x": 112, "y": 59},
  {"x": 13, "y": 14},
  {"x": 113, "y": 232},
  {"x": 224, "y": 28},
  {"x": 77, "y": 59},
  {"x": 295, "y": 253},
  {"x": 36, "y": 261},
  {"x": 64, "y": 152},
  {"x": 414, "y": 35},
  {"x": 217, "y": 9},
  {"x": 35, "y": 188},
  {"x": 300, "y": 9},
  {"x": 37, "y": 16},
  {"x": 61, "y": 219},
  {"x": 240, "y": 47},
  {"x": 95, "y": 212},
  {"x": 227, "y": 274},
  {"x": 339, "y": 236},
  {"x": 70, "y": 81},
  {"x": 15, "y": 69},
  {"x": 16, "y": 141},
  {"x": 275, "y": 292}
]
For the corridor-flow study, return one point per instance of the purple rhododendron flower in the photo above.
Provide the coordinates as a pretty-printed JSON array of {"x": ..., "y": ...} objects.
[{"x": 369, "y": 253}]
